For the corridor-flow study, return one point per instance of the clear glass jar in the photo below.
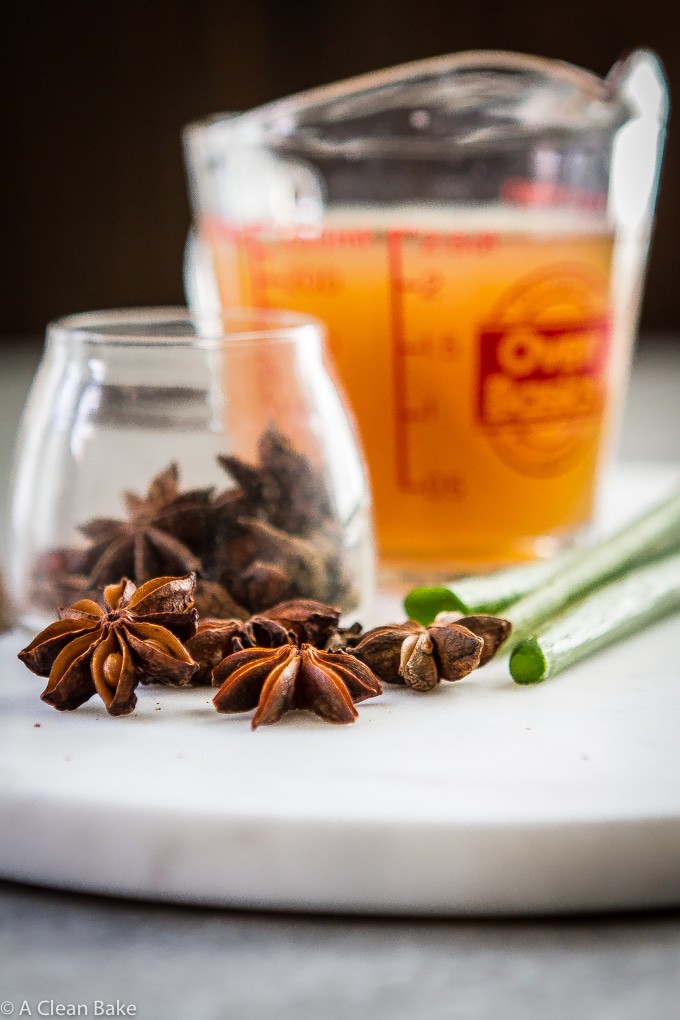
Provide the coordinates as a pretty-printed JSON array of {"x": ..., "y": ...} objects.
[{"x": 153, "y": 443}]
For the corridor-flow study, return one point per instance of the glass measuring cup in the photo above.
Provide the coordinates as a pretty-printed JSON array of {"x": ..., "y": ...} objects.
[{"x": 473, "y": 230}]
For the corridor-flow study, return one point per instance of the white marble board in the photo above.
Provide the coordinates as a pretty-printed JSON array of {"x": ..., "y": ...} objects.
[{"x": 481, "y": 798}]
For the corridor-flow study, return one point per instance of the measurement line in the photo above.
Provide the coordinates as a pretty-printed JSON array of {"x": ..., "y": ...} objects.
[{"x": 396, "y": 285}]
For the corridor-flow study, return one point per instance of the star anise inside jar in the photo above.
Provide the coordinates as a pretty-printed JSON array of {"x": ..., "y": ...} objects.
[
  {"x": 158, "y": 536},
  {"x": 136, "y": 638},
  {"x": 271, "y": 536},
  {"x": 279, "y": 680},
  {"x": 283, "y": 485}
]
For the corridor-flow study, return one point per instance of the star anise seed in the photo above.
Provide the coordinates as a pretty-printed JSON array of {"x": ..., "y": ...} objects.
[
  {"x": 136, "y": 637},
  {"x": 416, "y": 662},
  {"x": 380, "y": 648},
  {"x": 279, "y": 680}
]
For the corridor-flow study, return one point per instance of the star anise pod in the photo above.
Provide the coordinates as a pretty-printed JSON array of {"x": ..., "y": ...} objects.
[
  {"x": 215, "y": 639},
  {"x": 312, "y": 622},
  {"x": 264, "y": 584},
  {"x": 213, "y": 600},
  {"x": 493, "y": 630},
  {"x": 157, "y": 538},
  {"x": 298, "y": 622},
  {"x": 279, "y": 680},
  {"x": 284, "y": 486},
  {"x": 258, "y": 562},
  {"x": 56, "y": 581},
  {"x": 344, "y": 638},
  {"x": 137, "y": 637},
  {"x": 420, "y": 656}
]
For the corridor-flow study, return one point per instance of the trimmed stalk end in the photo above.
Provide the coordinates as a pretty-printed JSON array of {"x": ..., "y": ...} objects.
[
  {"x": 423, "y": 604},
  {"x": 528, "y": 664}
]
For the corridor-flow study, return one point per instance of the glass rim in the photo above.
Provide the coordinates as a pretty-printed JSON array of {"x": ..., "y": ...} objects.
[
  {"x": 279, "y": 110},
  {"x": 177, "y": 326}
]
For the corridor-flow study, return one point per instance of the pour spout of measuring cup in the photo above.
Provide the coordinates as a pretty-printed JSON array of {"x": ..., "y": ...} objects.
[
  {"x": 447, "y": 129},
  {"x": 638, "y": 80}
]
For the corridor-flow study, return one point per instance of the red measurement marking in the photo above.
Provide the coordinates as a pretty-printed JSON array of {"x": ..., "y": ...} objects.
[
  {"x": 298, "y": 234},
  {"x": 401, "y": 411},
  {"x": 346, "y": 238},
  {"x": 433, "y": 345},
  {"x": 438, "y": 486},
  {"x": 549, "y": 193},
  {"x": 458, "y": 243},
  {"x": 424, "y": 347},
  {"x": 319, "y": 279},
  {"x": 425, "y": 286}
]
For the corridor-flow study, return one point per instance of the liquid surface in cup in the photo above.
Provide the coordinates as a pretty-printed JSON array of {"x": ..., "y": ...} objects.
[{"x": 473, "y": 347}]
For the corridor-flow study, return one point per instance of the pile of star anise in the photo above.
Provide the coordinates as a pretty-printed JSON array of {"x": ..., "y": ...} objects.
[
  {"x": 291, "y": 656},
  {"x": 268, "y": 537}
]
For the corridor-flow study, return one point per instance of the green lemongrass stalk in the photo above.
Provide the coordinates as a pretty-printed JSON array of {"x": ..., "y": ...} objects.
[
  {"x": 619, "y": 610},
  {"x": 555, "y": 582},
  {"x": 484, "y": 593}
]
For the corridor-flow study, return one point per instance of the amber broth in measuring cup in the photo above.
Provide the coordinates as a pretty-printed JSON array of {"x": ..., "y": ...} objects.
[
  {"x": 473, "y": 348},
  {"x": 472, "y": 230}
]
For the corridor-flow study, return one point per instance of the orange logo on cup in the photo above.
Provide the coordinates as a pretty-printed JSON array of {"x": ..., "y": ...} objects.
[{"x": 542, "y": 369}]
